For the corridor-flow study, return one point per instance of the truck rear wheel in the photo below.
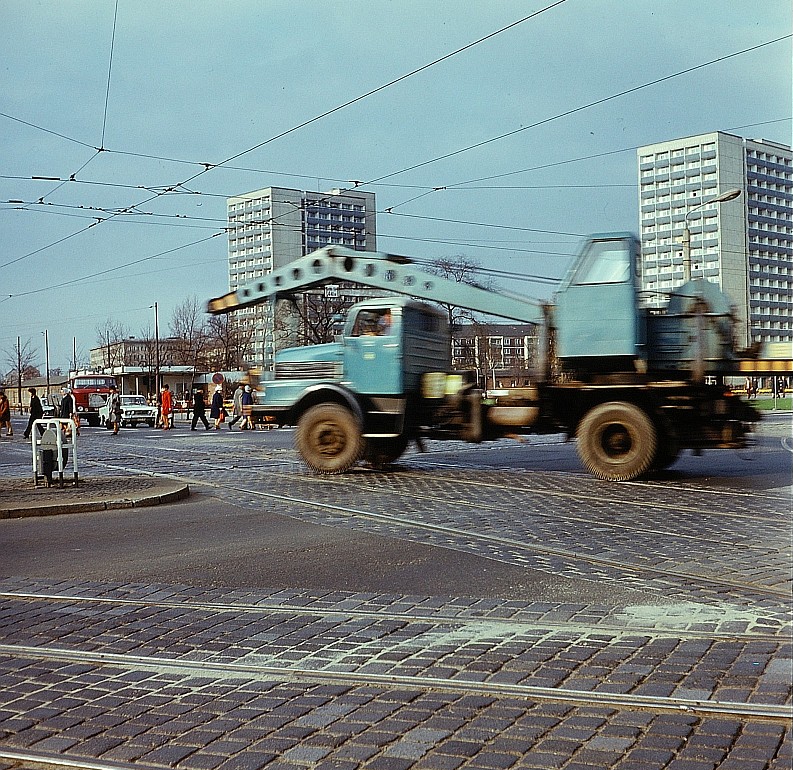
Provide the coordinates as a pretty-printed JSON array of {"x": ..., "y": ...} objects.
[
  {"x": 617, "y": 441},
  {"x": 329, "y": 438}
]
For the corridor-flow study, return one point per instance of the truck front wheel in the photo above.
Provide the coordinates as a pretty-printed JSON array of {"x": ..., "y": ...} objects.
[
  {"x": 329, "y": 438},
  {"x": 617, "y": 441}
]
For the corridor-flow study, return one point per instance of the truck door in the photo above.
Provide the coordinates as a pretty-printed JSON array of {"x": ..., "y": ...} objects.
[
  {"x": 596, "y": 306},
  {"x": 373, "y": 355}
]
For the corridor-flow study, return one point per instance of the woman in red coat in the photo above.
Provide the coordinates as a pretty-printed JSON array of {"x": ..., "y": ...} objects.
[{"x": 167, "y": 408}]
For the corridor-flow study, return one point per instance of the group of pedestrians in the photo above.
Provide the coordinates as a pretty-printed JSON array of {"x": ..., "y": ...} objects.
[
  {"x": 241, "y": 409},
  {"x": 242, "y": 403},
  {"x": 36, "y": 413}
]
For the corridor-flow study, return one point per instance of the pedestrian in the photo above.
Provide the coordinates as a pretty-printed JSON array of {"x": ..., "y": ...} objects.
[
  {"x": 199, "y": 410},
  {"x": 216, "y": 411},
  {"x": 36, "y": 411},
  {"x": 114, "y": 410},
  {"x": 247, "y": 406},
  {"x": 236, "y": 409},
  {"x": 5, "y": 415},
  {"x": 68, "y": 409},
  {"x": 166, "y": 409}
]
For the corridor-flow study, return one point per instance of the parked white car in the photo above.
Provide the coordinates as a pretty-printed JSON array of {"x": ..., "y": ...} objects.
[{"x": 134, "y": 409}]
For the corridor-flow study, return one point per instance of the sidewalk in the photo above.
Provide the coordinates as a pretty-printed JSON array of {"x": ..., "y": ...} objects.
[{"x": 21, "y": 498}]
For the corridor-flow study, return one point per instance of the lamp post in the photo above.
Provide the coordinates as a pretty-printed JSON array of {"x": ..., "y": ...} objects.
[
  {"x": 156, "y": 348},
  {"x": 686, "y": 242},
  {"x": 47, "y": 359}
]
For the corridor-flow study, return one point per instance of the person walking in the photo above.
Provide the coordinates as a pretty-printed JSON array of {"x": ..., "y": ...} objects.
[
  {"x": 114, "y": 410},
  {"x": 216, "y": 411},
  {"x": 236, "y": 409},
  {"x": 68, "y": 409},
  {"x": 247, "y": 405},
  {"x": 5, "y": 415},
  {"x": 199, "y": 410},
  {"x": 166, "y": 408},
  {"x": 36, "y": 411}
]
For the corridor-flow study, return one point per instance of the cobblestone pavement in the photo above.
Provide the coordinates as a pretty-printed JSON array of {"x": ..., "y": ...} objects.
[
  {"x": 119, "y": 675},
  {"x": 22, "y": 498}
]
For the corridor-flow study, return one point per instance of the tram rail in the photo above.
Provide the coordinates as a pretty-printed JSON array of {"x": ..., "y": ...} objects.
[
  {"x": 296, "y": 673},
  {"x": 415, "y": 616}
]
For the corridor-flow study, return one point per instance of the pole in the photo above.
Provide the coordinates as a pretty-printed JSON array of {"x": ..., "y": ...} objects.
[
  {"x": 156, "y": 349},
  {"x": 723, "y": 198},
  {"x": 47, "y": 359},
  {"x": 19, "y": 373}
]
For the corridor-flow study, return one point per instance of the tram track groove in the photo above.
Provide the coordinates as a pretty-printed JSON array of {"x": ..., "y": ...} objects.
[
  {"x": 46, "y": 760},
  {"x": 461, "y": 685},
  {"x": 567, "y": 517},
  {"x": 265, "y": 608}
]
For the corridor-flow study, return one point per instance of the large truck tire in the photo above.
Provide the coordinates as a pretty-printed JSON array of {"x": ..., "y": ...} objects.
[
  {"x": 617, "y": 441},
  {"x": 329, "y": 439},
  {"x": 384, "y": 451}
]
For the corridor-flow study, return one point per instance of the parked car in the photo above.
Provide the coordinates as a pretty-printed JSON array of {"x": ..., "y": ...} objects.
[
  {"x": 48, "y": 407},
  {"x": 134, "y": 409}
]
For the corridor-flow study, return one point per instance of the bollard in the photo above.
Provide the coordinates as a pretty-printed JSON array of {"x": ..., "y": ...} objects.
[{"x": 51, "y": 450}]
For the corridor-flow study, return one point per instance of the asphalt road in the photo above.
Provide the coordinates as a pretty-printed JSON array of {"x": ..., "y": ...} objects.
[{"x": 215, "y": 540}]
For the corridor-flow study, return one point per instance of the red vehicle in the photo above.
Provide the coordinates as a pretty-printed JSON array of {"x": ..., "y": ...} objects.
[{"x": 90, "y": 391}]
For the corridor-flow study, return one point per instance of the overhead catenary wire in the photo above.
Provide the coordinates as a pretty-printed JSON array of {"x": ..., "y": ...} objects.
[
  {"x": 176, "y": 188},
  {"x": 208, "y": 166},
  {"x": 61, "y": 284},
  {"x": 588, "y": 105},
  {"x": 109, "y": 73}
]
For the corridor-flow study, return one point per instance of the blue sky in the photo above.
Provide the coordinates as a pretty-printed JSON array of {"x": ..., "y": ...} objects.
[{"x": 199, "y": 81}]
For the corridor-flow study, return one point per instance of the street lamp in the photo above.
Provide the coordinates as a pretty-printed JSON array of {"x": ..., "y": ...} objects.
[
  {"x": 725, "y": 196},
  {"x": 157, "y": 345},
  {"x": 47, "y": 359},
  {"x": 156, "y": 348}
]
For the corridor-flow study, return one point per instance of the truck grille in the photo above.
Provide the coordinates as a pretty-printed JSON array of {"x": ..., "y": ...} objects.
[{"x": 307, "y": 370}]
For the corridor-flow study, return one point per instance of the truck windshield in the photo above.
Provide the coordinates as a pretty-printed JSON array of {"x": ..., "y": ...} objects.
[{"x": 604, "y": 262}]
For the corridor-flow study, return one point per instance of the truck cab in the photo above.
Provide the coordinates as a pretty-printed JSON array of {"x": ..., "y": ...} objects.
[{"x": 376, "y": 367}]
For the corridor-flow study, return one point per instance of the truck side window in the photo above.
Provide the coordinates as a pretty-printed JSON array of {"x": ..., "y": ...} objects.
[{"x": 372, "y": 323}]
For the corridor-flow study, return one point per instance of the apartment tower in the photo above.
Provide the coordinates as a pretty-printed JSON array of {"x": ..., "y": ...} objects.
[
  {"x": 272, "y": 227},
  {"x": 744, "y": 245}
]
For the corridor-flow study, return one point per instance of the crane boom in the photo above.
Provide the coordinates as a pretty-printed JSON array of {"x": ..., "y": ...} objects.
[{"x": 377, "y": 270}]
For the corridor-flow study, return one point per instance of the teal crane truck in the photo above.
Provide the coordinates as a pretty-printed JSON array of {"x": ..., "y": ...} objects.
[{"x": 631, "y": 386}]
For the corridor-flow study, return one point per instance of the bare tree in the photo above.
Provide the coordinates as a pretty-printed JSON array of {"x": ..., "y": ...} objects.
[
  {"x": 229, "y": 342},
  {"x": 311, "y": 318},
  {"x": 108, "y": 335},
  {"x": 461, "y": 269},
  {"x": 188, "y": 326},
  {"x": 147, "y": 357},
  {"x": 21, "y": 360}
]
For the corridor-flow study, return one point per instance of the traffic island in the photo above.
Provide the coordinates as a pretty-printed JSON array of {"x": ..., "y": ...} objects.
[{"x": 21, "y": 498}]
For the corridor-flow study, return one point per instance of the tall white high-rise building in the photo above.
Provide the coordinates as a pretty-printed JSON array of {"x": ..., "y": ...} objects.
[
  {"x": 745, "y": 245},
  {"x": 271, "y": 227}
]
